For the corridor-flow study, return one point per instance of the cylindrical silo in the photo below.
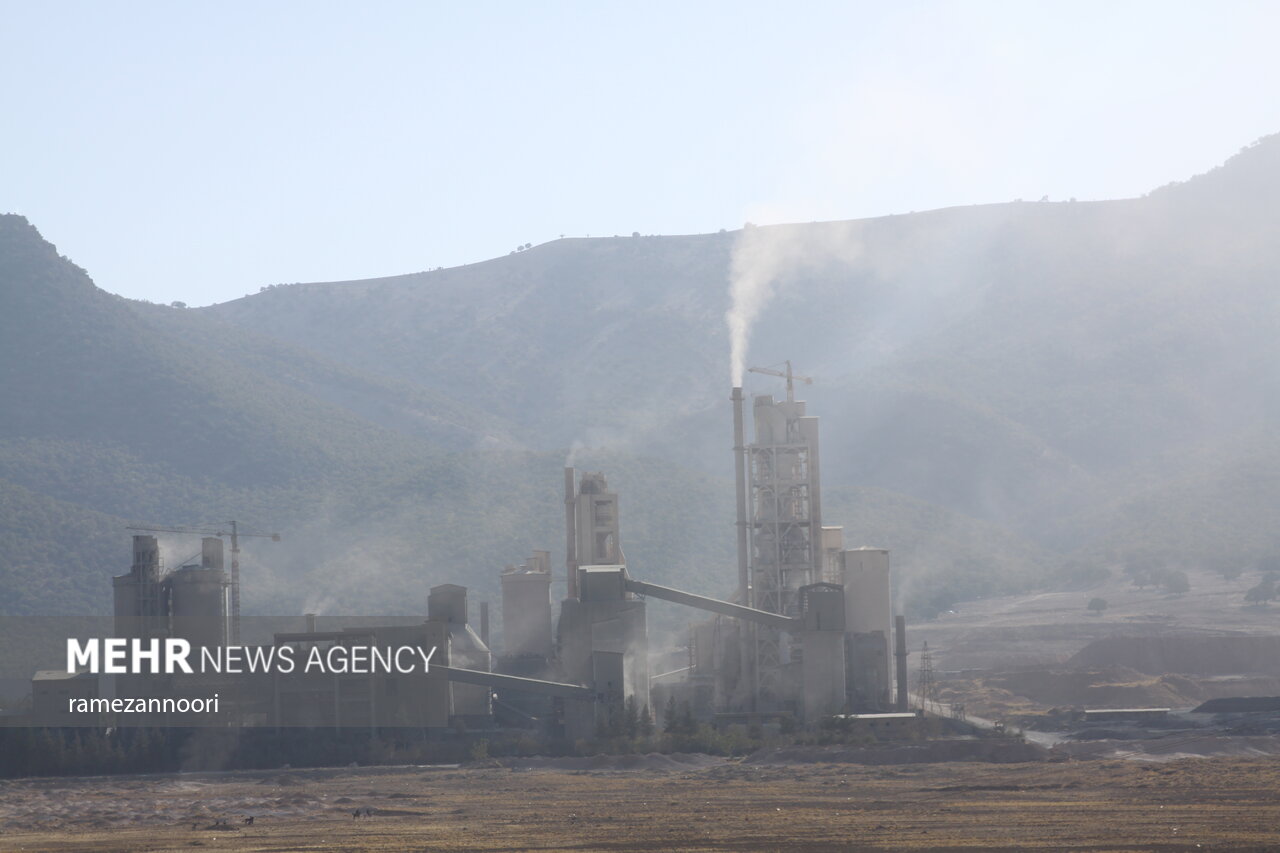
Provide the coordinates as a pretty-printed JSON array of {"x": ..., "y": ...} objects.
[
  {"x": 526, "y": 613},
  {"x": 198, "y": 606},
  {"x": 211, "y": 552}
]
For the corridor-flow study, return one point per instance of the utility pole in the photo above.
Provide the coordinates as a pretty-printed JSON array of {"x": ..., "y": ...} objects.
[{"x": 928, "y": 685}]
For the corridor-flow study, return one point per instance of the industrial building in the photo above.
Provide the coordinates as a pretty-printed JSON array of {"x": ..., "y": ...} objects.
[
  {"x": 811, "y": 632},
  {"x": 805, "y": 632},
  {"x": 191, "y": 602}
]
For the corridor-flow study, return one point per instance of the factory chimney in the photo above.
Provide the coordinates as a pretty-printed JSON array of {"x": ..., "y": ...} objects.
[
  {"x": 900, "y": 653},
  {"x": 740, "y": 476},
  {"x": 747, "y": 633},
  {"x": 571, "y": 532},
  {"x": 311, "y": 622}
]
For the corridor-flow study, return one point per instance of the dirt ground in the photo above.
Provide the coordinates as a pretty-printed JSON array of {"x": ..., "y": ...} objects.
[
  {"x": 688, "y": 804},
  {"x": 1013, "y": 656},
  {"x": 1047, "y": 628}
]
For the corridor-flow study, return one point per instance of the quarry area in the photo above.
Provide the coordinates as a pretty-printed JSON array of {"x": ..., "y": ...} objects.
[
  {"x": 770, "y": 802},
  {"x": 1202, "y": 667}
]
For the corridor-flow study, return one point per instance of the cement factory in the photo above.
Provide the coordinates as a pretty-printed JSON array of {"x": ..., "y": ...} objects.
[{"x": 806, "y": 632}]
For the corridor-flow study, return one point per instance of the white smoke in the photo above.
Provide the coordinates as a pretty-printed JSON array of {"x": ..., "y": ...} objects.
[
  {"x": 761, "y": 257},
  {"x": 571, "y": 458},
  {"x": 751, "y": 285},
  {"x": 318, "y": 603}
]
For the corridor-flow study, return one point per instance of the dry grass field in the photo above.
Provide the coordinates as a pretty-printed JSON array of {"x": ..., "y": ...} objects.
[{"x": 707, "y": 804}]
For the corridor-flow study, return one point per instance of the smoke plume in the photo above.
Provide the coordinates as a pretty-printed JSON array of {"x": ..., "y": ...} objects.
[
  {"x": 755, "y": 263},
  {"x": 762, "y": 256}
]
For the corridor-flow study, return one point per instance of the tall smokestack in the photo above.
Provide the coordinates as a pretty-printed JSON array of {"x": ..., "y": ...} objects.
[
  {"x": 484, "y": 623},
  {"x": 311, "y": 622},
  {"x": 900, "y": 653},
  {"x": 747, "y": 633},
  {"x": 740, "y": 475},
  {"x": 570, "y": 532}
]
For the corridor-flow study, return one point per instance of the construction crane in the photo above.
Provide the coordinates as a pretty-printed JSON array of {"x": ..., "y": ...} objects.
[
  {"x": 233, "y": 530},
  {"x": 788, "y": 375}
]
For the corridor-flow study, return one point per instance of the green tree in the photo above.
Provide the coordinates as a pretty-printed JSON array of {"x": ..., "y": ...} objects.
[
  {"x": 1230, "y": 571},
  {"x": 631, "y": 717},
  {"x": 688, "y": 725},
  {"x": 670, "y": 716},
  {"x": 1142, "y": 569},
  {"x": 1262, "y": 593},
  {"x": 646, "y": 722},
  {"x": 1097, "y": 605}
]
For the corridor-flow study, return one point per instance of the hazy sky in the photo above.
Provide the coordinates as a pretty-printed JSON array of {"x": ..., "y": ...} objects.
[{"x": 198, "y": 151}]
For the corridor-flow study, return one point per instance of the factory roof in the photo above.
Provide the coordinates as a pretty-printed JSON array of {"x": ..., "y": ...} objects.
[
  {"x": 525, "y": 570},
  {"x": 59, "y": 675}
]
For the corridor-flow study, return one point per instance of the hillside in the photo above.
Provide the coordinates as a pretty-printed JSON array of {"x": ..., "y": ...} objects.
[
  {"x": 88, "y": 368},
  {"x": 143, "y": 414},
  {"x": 1012, "y": 396},
  {"x": 1025, "y": 363}
]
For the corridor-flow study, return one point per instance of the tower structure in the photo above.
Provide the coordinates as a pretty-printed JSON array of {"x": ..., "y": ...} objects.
[
  {"x": 198, "y": 595},
  {"x": 601, "y": 637},
  {"x": 927, "y": 686},
  {"x": 784, "y": 527},
  {"x": 597, "y": 523},
  {"x": 526, "y": 609},
  {"x": 141, "y": 599}
]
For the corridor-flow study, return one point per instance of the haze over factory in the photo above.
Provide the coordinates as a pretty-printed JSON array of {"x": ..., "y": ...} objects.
[{"x": 804, "y": 629}]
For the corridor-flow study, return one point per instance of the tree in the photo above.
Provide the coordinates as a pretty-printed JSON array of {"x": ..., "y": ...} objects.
[
  {"x": 688, "y": 725},
  {"x": 1230, "y": 571},
  {"x": 1142, "y": 569},
  {"x": 1097, "y": 605},
  {"x": 670, "y": 716},
  {"x": 631, "y": 717},
  {"x": 1262, "y": 593},
  {"x": 646, "y": 722}
]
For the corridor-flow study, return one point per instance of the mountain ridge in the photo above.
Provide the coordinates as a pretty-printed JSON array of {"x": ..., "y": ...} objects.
[{"x": 1007, "y": 392}]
